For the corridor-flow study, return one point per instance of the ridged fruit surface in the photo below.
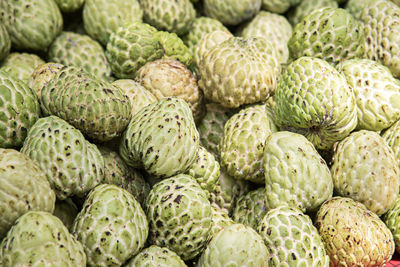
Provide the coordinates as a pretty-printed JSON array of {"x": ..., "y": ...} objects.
[
  {"x": 239, "y": 71},
  {"x": 156, "y": 256},
  {"x": 179, "y": 215},
  {"x": 295, "y": 174},
  {"x": 314, "y": 99},
  {"x": 365, "y": 169},
  {"x": 42, "y": 75},
  {"x": 377, "y": 93},
  {"x": 68, "y": 6},
  {"x": 97, "y": 108},
  {"x": 161, "y": 138},
  {"x": 19, "y": 110},
  {"x": 392, "y": 138},
  {"x": 31, "y": 24},
  {"x": 23, "y": 187},
  {"x": 355, "y": 7},
  {"x": 73, "y": 165},
  {"x": 39, "y": 238},
  {"x": 74, "y": 49},
  {"x": 331, "y": 34},
  {"x": 392, "y": 221},
  {"x": 21, "y": 65},
  {"x": 279, "y": 6},
  {"x": 235, "y": 245},
  {"x": 353, "y": 235},
  {"x": 242, "y": 145},
  {"x": 220, "y": 219},
  {"x": 112, "y": 226},
  {"x": 103, "y": 17},
  {"x": 306, "y": 7},
  {"x": 174, "y": 48},
  {"x": 292, "y": 239},
  {"x": 5, "y": 42}
]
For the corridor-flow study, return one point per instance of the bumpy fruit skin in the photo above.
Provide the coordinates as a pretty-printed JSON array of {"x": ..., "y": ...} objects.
[
  {"x": 315, "y": 100},
  {"x": 156, "y": 256},
  {"x": 68, "y": 6},
  {"x": 171, "y": 78},
  {"x": 19, "y": 110},
  {"x": 392, "y": 221},
  {"x": 97, "y": 108},
  {"x": 205, "y": 169},
  {"x": 306, "y": 7},
  {"x": 112, "y": 226},
  {"x": 32, "y": 24},
  {"x": 231, "y": 12},
  {"x": 42, "y": 75},
  {"x": 132, "y": 46},
  {"x": 179, "y": 215},
  {"x": 5, "y": 42},
  {"x": 200, "y": 27},
  {"x": 332, "y": 34},
  {"x": 242, "y": 145},
  {"x": 250, "y": 208},
  {"x": 279, "y": 6},
  {"x": 23, "y": 187},
  {"x": 353, "y": 235},
  {"x": 39, "y": 238},
  {"x": 224, "y": 71},
  {"x": 118, "y": 173},
  {"x": 21, "y": 65},
  {"x": 169, "y": 15},
  {"x": 382, "y": 32},
  {"x": 66, "y": 211},
  {"x": 292, "y": 239},
  {"x": 377, "y": 93},
  {"x": 295, "y": 174},
  {"x": 220, "y": 219},
  {"x": 355, "y": 7},
  {"x": 392, "y": 138},
  {"x": 275, "y": 28},
  {"x": 162, "y": 138},
  {"x": 174, "y": 48},
  {"x": 73, "y": 165},
  {"x": 365, "y": 169},
  {"x": 103, "y": 17},
  {"x": 73, "y": 49},
  {"x": 235, "y": 245}
]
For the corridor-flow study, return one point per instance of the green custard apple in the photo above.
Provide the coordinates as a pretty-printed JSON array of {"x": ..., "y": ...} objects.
[
  {"x": 156, "y": 256},
  {"x": 21, "y": 65}
]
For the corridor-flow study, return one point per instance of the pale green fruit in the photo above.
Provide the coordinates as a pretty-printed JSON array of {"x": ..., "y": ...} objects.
[
  {"x": 74, "y": 49},
  {"x": 292, "y": 239},
  {"x": 21, "y": 65},
  {"x": 161, "y": 138},
  {"x": 69, "y": 5},
  {"x": 365, "y": 169},
  {"x": 5, "y": 42},
  {"x": 132, "y": 46},
  {"x": 179, "y": 215},
  {"x": 103, "y": 17},
  {"x": 225, "y": 75},
  {"x": 39, "y": 238},
  {"x": 112, "y": 226},
  {"x": 211, "y": 127},
  {"x": 392, "y": 221},
  {"x": 231, "y": 12},
  {"x": 156, "y": 256},
  {"x": 382, "y": 33},
  {"x": 235, "y": 245},
  {"x": 31, "y": 24},
  {"x": 68, "y": 94},
  {"x": 275, "y": 28},
  {"x": 23, "y": 187},
  {"x": 220, "y": 219},
  {"x": 279, "y": 6},
  {"x": 332, "y": 34},
  {"x": 306, "y": 7},
  {"x": 314, "y": 99},
  {"x": 73, "y": 165},
  {"x": 169, "y": 15},
  {"x": 353, "y": 235},
  {"x": 116, "y": 172},
  {"x": 392, "y": 138},
  {"x": 200, "y": 27},
  {"x": 19, "y": 110},
  {"x": 171, "y": 78},
  {"x": 355, "y": 7},
  {"x": 66, "y": 211},
  {"x": 174, "y": 48},
  {"x": 295, "y": 174},
  {"x": 377, "y": 93},
  {"x": 397, "y": 2},
  {"x": 242, "y": 145},
  {"x": 42, "y": 75}
]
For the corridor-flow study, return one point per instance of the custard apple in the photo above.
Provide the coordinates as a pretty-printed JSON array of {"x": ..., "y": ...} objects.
[
  {"x": 174, "y": 48},
  {"x": 5, "y": 42},
  {"x": 156, "y": 256},
  {"x": 220, "y": 219},
  {"x": 279, "y": 6},
  {"x": 21, "y": 65},
  {"x": 70, "y": 5},
  {"x": 392, "y": 138},
  {"x": 392, "y": 221},
  {"x": 41, "y": 76},
  {"x": 355, "y": 7},
  {"x": 306, "y": 7}
]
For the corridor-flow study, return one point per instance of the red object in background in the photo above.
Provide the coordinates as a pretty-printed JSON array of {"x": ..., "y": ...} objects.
[{"x": 395, "y": 261}]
